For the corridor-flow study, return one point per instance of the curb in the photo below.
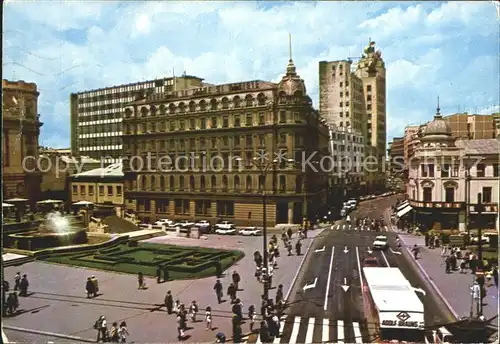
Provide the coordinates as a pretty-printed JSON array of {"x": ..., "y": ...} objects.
[
  {"x": 430, "y": 281},
  {"x": 302, "y": 262},
  {"x": 51, "y": 334}
]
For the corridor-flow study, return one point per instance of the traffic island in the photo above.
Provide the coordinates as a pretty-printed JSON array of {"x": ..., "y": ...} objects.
[{"x": 178, "y": 262}]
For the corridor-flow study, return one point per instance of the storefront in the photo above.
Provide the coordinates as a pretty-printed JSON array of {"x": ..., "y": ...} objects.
[
  {"x": 487, "y": 220},
  {"x": 438, "y": 215}
]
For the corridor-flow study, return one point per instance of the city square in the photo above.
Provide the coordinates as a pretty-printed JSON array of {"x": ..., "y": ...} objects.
[{"x": 250, "y": 172}]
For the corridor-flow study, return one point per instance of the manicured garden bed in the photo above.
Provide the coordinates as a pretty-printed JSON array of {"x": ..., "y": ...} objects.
[{"x": 180, "y": 261}]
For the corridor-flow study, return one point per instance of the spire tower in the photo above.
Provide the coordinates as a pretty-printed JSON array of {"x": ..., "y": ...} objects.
[
  {"x": 290, "y": 69},
  {"x": 438, "y": 109}
]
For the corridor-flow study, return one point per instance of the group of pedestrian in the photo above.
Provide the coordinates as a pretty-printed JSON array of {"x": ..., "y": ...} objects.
[
  {"x": 116, "y": 334},
  {"x": 21, "y": 284},
  {"x": 92, "y": 286}
]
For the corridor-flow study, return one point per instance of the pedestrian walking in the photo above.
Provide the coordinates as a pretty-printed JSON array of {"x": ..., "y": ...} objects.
[
  {"x": 218, "y": 268},
  {"x": 123, "y": 332},
  {"x": 298, "y": 247},
  {"x": 447, "y": 263},
  {"x": 218, "y": 291},
  {"x": 89, "y": 287},
  {"x": 140, "y": 280},
  {"x": 231, "y": 291},
  {"x": 495, "y": 275},
  {"x": 158, "y": 274},
  {"x": 289, "y": 233},
  {"x": 208, "y": 318},
  {"x": 113, "y": 333},
  {"x": 415, "y": 251},
  {"x": 238, "y": 308},
  {"x": 193, "y": 310},
  {"x": 169, "y": 302},
  {"x": 289, "y": 248},
  {"x": 236, "y": 279},
  {"x": 177, "y": 307},
  {"x": 102, "y": 329},
  {"x": 23, "y": 286},
  {"x": 96, "y": 285},
  {"x": 251, "y": 317},
  {"x": 258, "y": 274},
  {"x": 17, "y": 280},
  {"x": 220, "y": 337},
  {"x": 180, "y": 327},
  {"x": 279, "y": 294},
  {"x": 264, "y": 333}
]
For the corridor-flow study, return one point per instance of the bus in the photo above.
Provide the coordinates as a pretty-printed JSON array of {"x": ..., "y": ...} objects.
[{"x": 396, "y": 308}]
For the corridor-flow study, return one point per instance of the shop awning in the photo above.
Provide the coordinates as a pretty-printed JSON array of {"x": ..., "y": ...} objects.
[
  {"x": 404, "y": 211},
  {"x": 403, "y": 205}
]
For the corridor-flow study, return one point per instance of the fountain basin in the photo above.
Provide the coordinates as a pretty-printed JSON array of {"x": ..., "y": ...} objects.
[{"x": 36, "y": 240}]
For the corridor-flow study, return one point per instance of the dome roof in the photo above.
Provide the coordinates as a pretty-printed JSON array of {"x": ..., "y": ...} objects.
[
  {"x": 291, "y": 82},
  {"x": 438, "y": 126}
]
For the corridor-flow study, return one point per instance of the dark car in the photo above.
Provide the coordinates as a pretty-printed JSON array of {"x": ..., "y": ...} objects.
[{"x": 371, "y": 262}]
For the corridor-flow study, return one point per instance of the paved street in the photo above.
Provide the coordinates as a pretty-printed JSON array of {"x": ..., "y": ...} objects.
[
  {"x": 323, "y": 311},
  {"x": 58, "y": 294}
]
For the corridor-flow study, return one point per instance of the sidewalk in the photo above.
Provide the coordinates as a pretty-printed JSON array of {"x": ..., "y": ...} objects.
[
  {"x": 455, "y": 287},
  {"x": 60, "y": 296}
]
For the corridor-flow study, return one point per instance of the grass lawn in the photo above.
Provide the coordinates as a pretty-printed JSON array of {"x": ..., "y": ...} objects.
[{"x": 182, "y": 262}]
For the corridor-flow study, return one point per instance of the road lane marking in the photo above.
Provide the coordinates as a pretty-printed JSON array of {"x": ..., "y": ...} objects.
[
  {"x": 340, "y": 332},
  {"x": 386, "y": 229},
  {"x": 345, "y": 286},
  {"x": 278, "y": 339},
  {"x": 385, "y": 259},
  {"x": 359, "y": 267},
  {"x": 310, "y": 286},
  {"x": 329, "y": 279},
  {"x": 345, "y": 249},
  {"x": 357, "y": 333},
  {"x": 320, "y": 249},
  {"x": 295, "y": 330},
  {"x": 325, "y": 338},
  {"x": 258, "y": 340},
  {"x": 310, "y": 330}
]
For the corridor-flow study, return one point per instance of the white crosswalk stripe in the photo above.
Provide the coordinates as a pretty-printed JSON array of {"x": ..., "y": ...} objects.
[{"x": 315, "y": 330}]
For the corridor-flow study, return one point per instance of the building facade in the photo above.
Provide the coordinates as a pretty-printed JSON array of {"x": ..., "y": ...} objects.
[
  {"x": 469, "y": 126},
  {"x": 354, "y": 97},
  {"x": 101, "y": 186},
  {"x": 216, "y": 141},
  {"x": 21, "y": 130},
  {"x": 97, "y": 115},
  {"x": 411, "y": 141},
  {"x": 446, "y": 176},
  {"x": 396, "y": 152}
]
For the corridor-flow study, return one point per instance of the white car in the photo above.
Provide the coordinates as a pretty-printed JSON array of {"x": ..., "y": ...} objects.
[
  {"x": 252, "y": 231},
  {"x": 225, "y": 225},
  {"x": 352, "y": 203},
  {"x": 184, "y": 224},
  {"x": 380, "y": 243},
  {"x": 203, "y": 225},
  {"x": 164, "y": 222},
  {"x": 225, "y": 231}
]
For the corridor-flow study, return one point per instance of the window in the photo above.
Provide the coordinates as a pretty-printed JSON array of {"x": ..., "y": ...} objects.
[
  {"x": 203, "y": 207},
  {"x": 225, "y": 122},
  {"x": 249, "y": 184},
  {"x": 341, "y": 84},
  {"x": 213, "y": 183},
  {"x": 224, "y": 183},
  {"x": 262, "y": 183},
  {"x": 282, "y": 116},
  {"x": 237, "y": 121},
  {"x": 427, "y": 194},
  {"x": 283, "y": 139},
  {"x": 369, "y": 88},
  {"x": 202, "y": 183},
  {"x": 214, "y": 122},
  {"x": 487, "y": 194},
  {"x": 341, "y": 94},
  {"x": 481, "y": 170},
  {"x": 262, "y": 120},
  {"x": 445, "y": 172},
  {"x": 450, "y": 195},
  {"x": 203, "y": 123},
  {"x": 225, "y": 208},
  {"x": 496, "y": 171},
  {"x": 101, "y": 190},
  {"x": 91, "y": 190},
  {"x": 82, "y": 189},
  {"x": 181, "y": 183},
  {"x": 181, "y": 125},
  {"x": 225, "y": 141},
  {"x": 262, "y": 140},
  {"x": 282, "y": 184},
  {"x": 181, "y": 206},
  {"x": 162, "y": 205},
  {"x": 110, "y": 190},
  {"x": 427, "y": 170},
  {"x": 236, "y": 183},
  {"x": 249, "y": 120},
  {"x": 341, "y": 104},
  {"x": 75, "y": 189},
  {"x": 369, "y": 107},
  {"x": 236, "y": 141},
  {"x": 192, "y": 124}
]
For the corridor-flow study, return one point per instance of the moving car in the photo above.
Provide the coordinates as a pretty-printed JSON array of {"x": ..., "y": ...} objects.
[
  {"x": 204, "y": 226},
  {"x": 250, "y": 231},
  {"x": 370, "y": 262},
  {"x": 184, "y": 224},
  {"x": 352, "y": 203},
  {"x": 380, "y": 243},
  {"x": 225, "y": 231}
]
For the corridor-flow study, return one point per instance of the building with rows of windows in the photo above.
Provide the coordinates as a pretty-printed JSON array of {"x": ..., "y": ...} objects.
[
  {"x": 447, "y": 174},
  {"x": 97, "y": 115},
  {"x": 208, "y": 152}
]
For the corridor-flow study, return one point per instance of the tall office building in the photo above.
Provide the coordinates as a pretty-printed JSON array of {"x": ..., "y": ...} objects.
[
  {"x": 96, "y": 115},
  {"x": 353, "y": 96}
]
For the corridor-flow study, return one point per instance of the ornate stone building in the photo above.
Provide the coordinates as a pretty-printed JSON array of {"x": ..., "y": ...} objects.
[
  {"x": 21, "y": 129},
  {"x": 446, "y": 174},
  {"x": 207, "y": 147}
]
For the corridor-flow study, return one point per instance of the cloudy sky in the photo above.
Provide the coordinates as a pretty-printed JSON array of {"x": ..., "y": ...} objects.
[{"x": 448, "y": 49}]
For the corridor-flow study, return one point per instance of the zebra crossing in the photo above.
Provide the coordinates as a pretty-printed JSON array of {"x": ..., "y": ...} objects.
[
  {"x": 347, "y": 227},
  {"x": 318, "y": 330}
]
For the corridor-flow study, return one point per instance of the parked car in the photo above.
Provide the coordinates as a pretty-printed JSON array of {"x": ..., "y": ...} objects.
[
  {"x": 184, "y": 224},
  {"x": 225, "y": 225},
  {"x": 225, "y": 231},
  {"x": 250, "y": 231},
  {"x": 164, "y": 222},
  {"x": 204, "y": 226},
  {"x": 352, "y": 203},
  {"x": 380, "y": 243},
  {"x": 371, "y": 262}
]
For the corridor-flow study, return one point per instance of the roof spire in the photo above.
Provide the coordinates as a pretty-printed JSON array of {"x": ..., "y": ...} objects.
[
  {"x": 290, "y": 68},
  {"x": 438, "y": 109}
]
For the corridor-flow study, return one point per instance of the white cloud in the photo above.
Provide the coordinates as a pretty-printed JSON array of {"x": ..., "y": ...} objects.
[{"x": 236, "y": 41}]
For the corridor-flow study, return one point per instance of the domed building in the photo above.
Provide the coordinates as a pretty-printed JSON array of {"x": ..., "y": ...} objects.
[{"x": 445, "y": 177}]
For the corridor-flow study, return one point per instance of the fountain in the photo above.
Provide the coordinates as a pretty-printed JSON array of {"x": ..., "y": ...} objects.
[{"x": 55, "y": 231}]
